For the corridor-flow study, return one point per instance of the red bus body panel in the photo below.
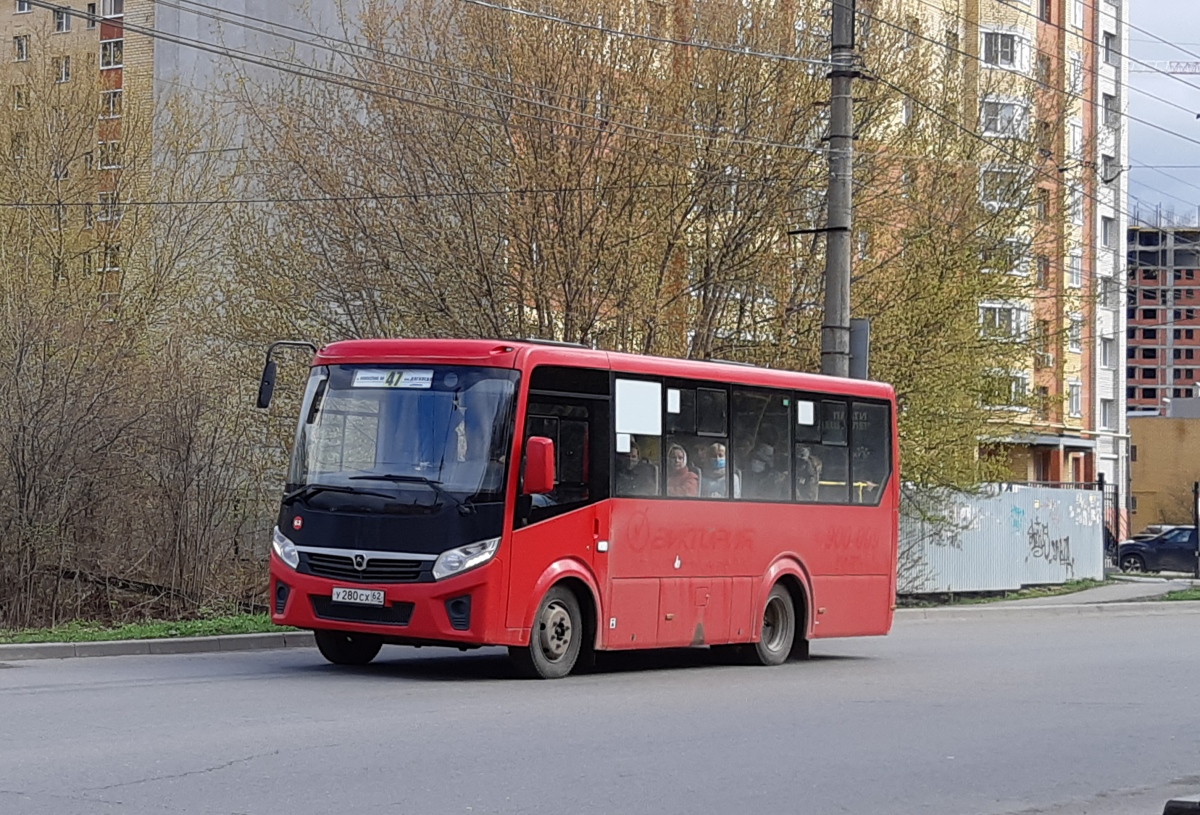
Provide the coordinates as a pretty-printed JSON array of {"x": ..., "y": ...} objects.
[{"x": 676, "y": 572}]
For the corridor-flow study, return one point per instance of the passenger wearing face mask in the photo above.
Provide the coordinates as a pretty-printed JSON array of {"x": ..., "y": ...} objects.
[
  {"x": 763, "y": 480},
  {"x": 715, "y": 483}
]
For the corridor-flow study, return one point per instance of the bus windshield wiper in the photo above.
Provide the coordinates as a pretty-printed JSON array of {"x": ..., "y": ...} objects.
[
  {"x": 309, "y": 490},
  {"x": 463, "y": 507}
]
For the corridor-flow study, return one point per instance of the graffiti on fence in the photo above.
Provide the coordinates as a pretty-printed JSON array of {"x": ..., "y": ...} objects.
[{"x": 1055, "y": 551}]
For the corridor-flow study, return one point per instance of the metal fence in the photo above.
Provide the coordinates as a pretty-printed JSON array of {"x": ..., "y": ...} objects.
[{"x": 1002, "y": 538}]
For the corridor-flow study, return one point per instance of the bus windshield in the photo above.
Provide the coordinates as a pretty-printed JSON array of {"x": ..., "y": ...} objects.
[{"x": 413, "y": 427}]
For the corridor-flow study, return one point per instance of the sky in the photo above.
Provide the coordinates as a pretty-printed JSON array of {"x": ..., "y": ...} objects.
[{"x": 1170, "y": 186}]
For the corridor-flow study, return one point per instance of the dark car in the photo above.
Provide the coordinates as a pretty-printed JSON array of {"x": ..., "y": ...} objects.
[{"x": 1171, "y": 551}]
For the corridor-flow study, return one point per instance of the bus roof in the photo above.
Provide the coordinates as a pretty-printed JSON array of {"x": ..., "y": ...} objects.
[{"x": 525, "y": 354}]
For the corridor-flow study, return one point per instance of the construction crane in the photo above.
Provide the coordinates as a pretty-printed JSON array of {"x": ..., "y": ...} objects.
[{"x": 1165, "y": 67}]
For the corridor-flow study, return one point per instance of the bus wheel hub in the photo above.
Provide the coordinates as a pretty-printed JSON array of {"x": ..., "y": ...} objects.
[{"x": 555, "y": 631}]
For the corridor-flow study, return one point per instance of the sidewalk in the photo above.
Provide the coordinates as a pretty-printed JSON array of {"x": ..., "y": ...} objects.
[{"x": 1126, "y": 589}]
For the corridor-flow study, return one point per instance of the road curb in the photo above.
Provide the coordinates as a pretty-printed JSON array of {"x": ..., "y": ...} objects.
[
  {"x": 172, "y": 645},
  {"x": 304, "y": 639},
  {"x": 1115, "y": 609}
]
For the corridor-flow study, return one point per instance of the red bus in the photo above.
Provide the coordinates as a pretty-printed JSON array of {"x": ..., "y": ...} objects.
[{"x": 560, "y": 500}]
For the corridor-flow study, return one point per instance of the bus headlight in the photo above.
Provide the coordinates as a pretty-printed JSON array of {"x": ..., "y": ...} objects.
[
  {"x": 285, "y": 548},
  {"x": 456, "y": 561}
]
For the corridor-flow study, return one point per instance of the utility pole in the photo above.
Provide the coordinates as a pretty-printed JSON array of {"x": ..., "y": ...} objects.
[{"x": 835, "y": 332}]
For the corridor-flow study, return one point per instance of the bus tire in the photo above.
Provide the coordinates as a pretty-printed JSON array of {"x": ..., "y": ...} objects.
[
  {"x": 346, "y": 648},
  {"x": 778, "y": 628},
  {"x": 555, "y": 639}
]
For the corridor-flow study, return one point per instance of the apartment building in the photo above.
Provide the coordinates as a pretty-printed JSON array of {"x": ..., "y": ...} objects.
[
  {"x": 1070, "y": 100},
  {"x": 1163, "y": 311}
]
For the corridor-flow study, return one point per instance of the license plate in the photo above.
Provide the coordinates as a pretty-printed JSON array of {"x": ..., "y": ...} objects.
[{"x": 358, "y": 597}]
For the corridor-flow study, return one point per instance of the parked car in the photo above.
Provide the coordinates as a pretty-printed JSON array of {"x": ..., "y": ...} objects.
[{"x": 1171, "y": 551}]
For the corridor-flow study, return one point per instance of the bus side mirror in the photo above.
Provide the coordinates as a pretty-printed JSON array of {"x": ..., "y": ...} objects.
[
  {"x": 539, "y": 466},
  {"x": 266, "y": 388}
]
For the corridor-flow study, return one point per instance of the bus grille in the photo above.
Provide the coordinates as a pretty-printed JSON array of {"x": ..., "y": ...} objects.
[
  {"x": 378, "y": 570},
  {"x": 395, "y": 614}
]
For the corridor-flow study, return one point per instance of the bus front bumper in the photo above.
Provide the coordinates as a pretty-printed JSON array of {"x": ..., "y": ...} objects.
[{"x": 453, "y": 611}]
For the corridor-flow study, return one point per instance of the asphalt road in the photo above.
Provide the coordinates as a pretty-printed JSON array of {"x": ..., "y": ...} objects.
[{"x": 1096, "y": 714}]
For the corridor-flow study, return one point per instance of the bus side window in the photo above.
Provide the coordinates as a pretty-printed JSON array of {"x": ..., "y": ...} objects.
[
  {"x": 822, "y": 458},
  {"x": 761, "y": 438},
  {"x": 870, "y": 463},
  {"x": 637, "y": 448}
]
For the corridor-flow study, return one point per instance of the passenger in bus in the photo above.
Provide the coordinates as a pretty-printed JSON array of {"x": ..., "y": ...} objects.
[
  {"x": 714, "y": 482},
  {"x": 764, "y": 480},
  {"x": 681, "y": 480},
  {"x": 808, "y": 475},
  {"x": 635, "y": 476}
]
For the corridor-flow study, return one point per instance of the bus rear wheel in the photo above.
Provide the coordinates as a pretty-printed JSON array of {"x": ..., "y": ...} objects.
[
  {"x": 778, "y": 628},
  {"x": 556, "y": 637},
  {"x": 346, "y": 648}
]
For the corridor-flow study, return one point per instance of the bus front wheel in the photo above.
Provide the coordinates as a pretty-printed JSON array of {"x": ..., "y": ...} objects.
[
  {"x": 778, "y": 628},
  {"x": 345, "y": 648},
  {"x": 556, "y": 637}
]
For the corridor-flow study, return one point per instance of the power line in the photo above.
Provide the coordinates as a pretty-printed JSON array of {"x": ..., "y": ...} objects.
[
  {"x": 1079, "y": 97},
  {"x": 309, "y": 35},
  {"x": 357, "y": 84},
  {"x": 703, "y": 46}
]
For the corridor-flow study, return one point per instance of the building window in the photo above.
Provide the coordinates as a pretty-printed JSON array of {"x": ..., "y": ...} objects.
[
  {"x": 109, "y": 207},
  {"x": 112, "y": 258},
  {"x": 20, "y": 97},
  {"x": 1042, "y": 205},
  {"x": 1112, "y": 113},
  {"x": 60, "y": 169},
  {"x": 1005, "y": 390},
  {"x": 1075, "y": 271},
  {"x": 1075, "y": 399},
  {"x": 1001, "y": 188},
  {"x": 1112, "y": 54},
  {"x": 109, "y": 155},
  {"x": 91, "y": 16},
  {"x": 1002, "y": 321},
  {"x": 1108, "y": 352},
  {"x": 23, "y": 7},
  {"x": 1076, "y": 140},
  {"x": 1077, "y": 13},
  {"x": 1150, "y": 333},
  {"x": 1076, "y": 204},
  {"x": 1003, "y": 118},
  {"x": 112, "y": 8},
  {"x": 62, "y": 69},
  {"x": 1108, "y": 232},
  {"x": 1107, "y": 414},
  {"x": 89, "y": 218},
  {"x": 1044, "y": 9},
  {"x": 1000, "y": 49},
  {"x": 1043, "y": 271},
  {"x": 62, "y": 20},
  {"x": 1075, "y": 334},
  {"x": 1075, "y": 74},
  {"x": 112, "y": 54},
  {"x": 21, "y": 48},
  {"x": 1109, "y": 171},
  {"x": 110, "y": 104},
  {"x": 20, "y": 142}
]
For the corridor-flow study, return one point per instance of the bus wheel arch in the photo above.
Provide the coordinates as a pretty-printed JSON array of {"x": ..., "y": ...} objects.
[
  {"x": 795, "y": 589},
  {"x": 558, "y": 636},
  {"x": 791, "y": 574}
]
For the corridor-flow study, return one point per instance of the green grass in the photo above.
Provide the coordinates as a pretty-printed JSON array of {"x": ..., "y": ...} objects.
[
  {"x": 969, "y": 598},
  {"x": 1183, "y": 594},
  {"x": 83, "y": 631}
]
